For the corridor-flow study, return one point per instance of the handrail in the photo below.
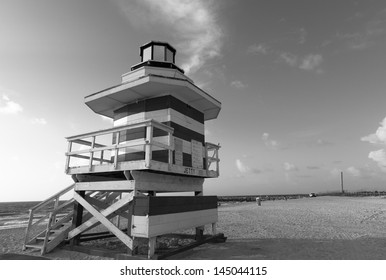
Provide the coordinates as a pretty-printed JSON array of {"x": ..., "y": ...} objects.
[
  {"x": 48, "y": 200},
  {"x": 52, "y": 214},
  {"x": 94, "y": 147},
  {"x": 122, "y": 127}
]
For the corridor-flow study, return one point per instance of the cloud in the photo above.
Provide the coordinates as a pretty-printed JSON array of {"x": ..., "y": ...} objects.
[
  {"x": 308, "y": 62},
  {"x": 311, "y": 62},
  {"x": 39, "y": 121},
  {"x": 368, "y": 35},
  {"x": 379, "y": 157},
  {"x": 335, "y": 172},
  {"x": 243, "y": 168},
  {"x": 272, "y": 144},
  {"x": 289, "y": 167},
  {"x": 238, "y": 84},
  {"x": 9, "y": 107},
  {"x": 258, "y": 49},
  {"x": 191, "y": 23},
  {"x": 354, "y": 171},
  {"x": 290, "y": 59},
  {"x": 379, "y": 137}
]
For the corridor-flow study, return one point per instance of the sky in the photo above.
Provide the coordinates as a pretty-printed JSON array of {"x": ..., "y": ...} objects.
[{"x": 302, "y": 86}]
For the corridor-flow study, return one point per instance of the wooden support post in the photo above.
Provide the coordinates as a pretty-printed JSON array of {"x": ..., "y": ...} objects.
[
  {"x": 77, "y": 218},
  {"x": 214, "y": 228},
  {"x": 199, "y": 230},
  {"x": 151, "y": 249},
  {"x": 101, "y": 217}
]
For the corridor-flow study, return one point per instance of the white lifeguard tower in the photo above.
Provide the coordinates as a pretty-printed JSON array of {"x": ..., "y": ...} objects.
[{"x": 156, "y": 145}]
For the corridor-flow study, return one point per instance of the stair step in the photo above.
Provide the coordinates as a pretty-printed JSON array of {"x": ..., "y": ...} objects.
[
  {"x": 51, "y": 237},
  {"x": 37, "y": 246}
]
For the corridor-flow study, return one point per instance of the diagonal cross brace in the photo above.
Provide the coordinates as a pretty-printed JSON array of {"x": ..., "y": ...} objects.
[{"x": 101, "y": 217}]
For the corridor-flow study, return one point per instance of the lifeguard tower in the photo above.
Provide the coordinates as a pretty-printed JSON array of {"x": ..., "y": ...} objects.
[{"x": 156, "y": 146}]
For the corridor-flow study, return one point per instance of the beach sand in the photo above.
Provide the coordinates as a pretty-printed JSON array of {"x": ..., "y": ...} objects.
[{"x": 332, "y": 228}]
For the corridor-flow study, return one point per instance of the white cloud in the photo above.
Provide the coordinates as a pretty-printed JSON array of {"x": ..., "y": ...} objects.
[
  {"x": 308, "y": 62},
  {"x": 311, "y": 62},
  {"x": 379, "y": 137},
  {"x": 258, "y": 49},
  {"x": 289, "y": 167},
  {"x": 9, "y": 107},
  {"x": 272, "y": 144},
  {"x": 335, "y": 172},
  {"x": 243, "y": 168},
  {"x": 39, "y": 121},
  {"x": 238, "y": 84},
  {"x": 290, "y": 59},
  {"x": 192, "y": 23},
  {"x": 379, "y": 157},
  {"x": 354, "y": 171}
]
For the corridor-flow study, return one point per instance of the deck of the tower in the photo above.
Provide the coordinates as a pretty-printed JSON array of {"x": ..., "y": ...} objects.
[{"x": 94, "y": 157}]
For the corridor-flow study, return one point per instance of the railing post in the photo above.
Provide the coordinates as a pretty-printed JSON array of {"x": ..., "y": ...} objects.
[
  {"x": 118, "y": 135},
  {"x": 56, "y": 204},
  {"x": 149, "y": 139},
  {"x": 217, "y": 163},
  {"x": 206, "y": 157},
  {"x": 31, "y": 216},
  {"x": 92, "y": 153},
  {"x": 101, "y": 160},
  {"x": 68, "y": 157}
]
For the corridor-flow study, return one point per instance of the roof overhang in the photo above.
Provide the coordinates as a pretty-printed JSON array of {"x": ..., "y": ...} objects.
[{"x": 107, "y": 101}]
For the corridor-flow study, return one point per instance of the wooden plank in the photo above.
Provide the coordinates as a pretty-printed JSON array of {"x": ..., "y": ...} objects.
[
  {"x": 104, "y": 205},
  {"x": 123, "y": 185},
  {"x": 147, "y": 181},
  {"x": 151, "y": 247},
  {"x": 101, "y": 217},
  {"x": 157, "y": 225},
  {"x": 178, "y": 148},
  {"x": 197, "y": 156}
]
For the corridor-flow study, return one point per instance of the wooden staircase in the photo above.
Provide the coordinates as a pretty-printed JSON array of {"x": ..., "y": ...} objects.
[
  {"x": 51, "y": 221},
  {"x": 50, "y": 229}
]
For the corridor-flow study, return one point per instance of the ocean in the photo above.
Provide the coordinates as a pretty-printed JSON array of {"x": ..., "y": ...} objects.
[{"x": 16, "y": 214}]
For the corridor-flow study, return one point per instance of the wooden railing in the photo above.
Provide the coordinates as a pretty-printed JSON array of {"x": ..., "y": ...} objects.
[
  {"x": 97, "y": 153},
  {"x": 49, "y": 217},
  {"x": 211, "y": 155},
  {"x": 95, "y": 147}
]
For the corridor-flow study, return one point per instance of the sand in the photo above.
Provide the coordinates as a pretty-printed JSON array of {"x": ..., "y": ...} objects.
[{"x": 309, "y": 228}]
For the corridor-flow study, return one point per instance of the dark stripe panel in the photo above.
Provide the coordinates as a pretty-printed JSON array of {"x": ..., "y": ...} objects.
[
  {"x": 159, "y": 103},
  {"x": 179, "y": 132},
  {"x": 185, "y": 133},
  {"x": 161, "y": 205},
  {"x": 161, "y": 156}
]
